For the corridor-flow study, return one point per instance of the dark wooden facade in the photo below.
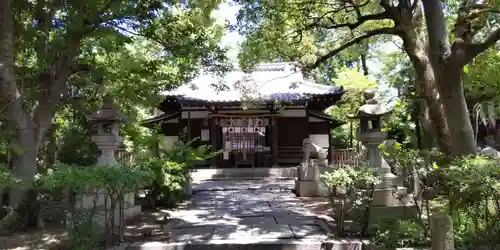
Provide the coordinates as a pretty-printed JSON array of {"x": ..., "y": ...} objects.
[
  {"x": 285, "y": 131},
  {"x": 286, "y": 109}
]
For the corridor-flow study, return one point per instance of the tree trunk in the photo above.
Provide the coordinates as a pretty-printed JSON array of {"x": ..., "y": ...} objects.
[
  {"x": 362, "y": 62},
  {"x": 460, "y": 129},
  {"x": 447, "y": 70},
  {"x": 26, "y": 132},
  {"x": 431, "y": 112}
]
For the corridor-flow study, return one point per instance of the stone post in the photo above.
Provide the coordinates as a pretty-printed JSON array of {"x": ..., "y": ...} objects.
[{"x": 442, "y": 232}]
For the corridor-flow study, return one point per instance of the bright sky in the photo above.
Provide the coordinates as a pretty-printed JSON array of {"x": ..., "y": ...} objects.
[{"x": 228, "y": 12}]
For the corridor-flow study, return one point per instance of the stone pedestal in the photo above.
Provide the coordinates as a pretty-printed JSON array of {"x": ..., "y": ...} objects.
[
  {"x": 130, "y": 210},
  {"x": 108, "y": 144},
  {"x": 308, "y": 183}
]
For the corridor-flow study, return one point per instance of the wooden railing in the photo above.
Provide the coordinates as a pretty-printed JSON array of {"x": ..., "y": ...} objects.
[{"x": 341, "y": 157}]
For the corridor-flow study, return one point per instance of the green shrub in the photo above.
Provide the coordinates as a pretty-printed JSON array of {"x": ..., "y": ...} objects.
[
  {"x": 393, "y": 233},
  {"x": 172, "y": 170},
  {"x": 351, "y": 190},
  {"x": 7, "y": 179},
  {"x": 74, "y": 183},
  {"x": 467, "y": 189}
]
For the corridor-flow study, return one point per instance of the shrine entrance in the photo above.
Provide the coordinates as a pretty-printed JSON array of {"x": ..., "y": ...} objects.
[{"x": 245, "y": 142}]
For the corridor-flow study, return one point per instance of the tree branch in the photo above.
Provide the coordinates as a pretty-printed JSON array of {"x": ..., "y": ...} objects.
[
  {"x": 475, "y": 49},
  {"x": 53, "y": 85},
  {"x": 361, "y": 20},
  {"x": 352, "y": 42}
]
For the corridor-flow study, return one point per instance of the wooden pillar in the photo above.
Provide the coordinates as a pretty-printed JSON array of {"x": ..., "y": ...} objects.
[
  {"x": 330, "y": 144},
  {"x": 213, "y": 140},
  {"x": 274, "y": 140}
]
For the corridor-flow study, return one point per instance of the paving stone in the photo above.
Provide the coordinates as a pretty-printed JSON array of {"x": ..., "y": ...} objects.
[
  {"x": 192, "y": 234},
  {"x": 255, "y": 212},
  {"x": 181, "y": 224},
  {"x": 308, "y": 231},
  {"x": 285, "y": 204},
  {"x": 299, "y": 210},
  {"x": 272, "y": 231},
  {"x": 275, "y": 211},
  {"x": 220, "y": 222},
  {"x": 254, "y": 205},
  {"x": 233, "y": 232},
  {"x": 243, "y": 209},
  {"x": 259, "y": 220},
  {"x": 296, "y": 220}
]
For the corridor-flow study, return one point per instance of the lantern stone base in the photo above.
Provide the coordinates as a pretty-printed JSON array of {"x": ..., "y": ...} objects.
[
  {"x": 385, "y": 194},
  {"x": 389, "y": 197},
  {"x": 407, "y": 211},
  {"x": 130, "y": 210}
]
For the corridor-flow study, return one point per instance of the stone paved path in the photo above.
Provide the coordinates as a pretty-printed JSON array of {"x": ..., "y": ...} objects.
[{"x": 244, "y": 211}]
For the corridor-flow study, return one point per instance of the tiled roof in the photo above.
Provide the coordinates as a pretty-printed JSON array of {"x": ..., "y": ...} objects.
[{"x": 273, "y": 81}]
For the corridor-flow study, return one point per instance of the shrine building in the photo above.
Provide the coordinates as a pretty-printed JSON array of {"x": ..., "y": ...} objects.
[{"x": 258, "y": 119}]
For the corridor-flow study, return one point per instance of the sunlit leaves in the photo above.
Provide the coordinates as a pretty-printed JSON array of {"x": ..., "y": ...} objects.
[
  {"x": 354, "y": 83},
  {"x": 134, "y": 49},
  {"x": 300, "y": 30},
  {"x": 89, "y": 180},
  {"x": 482, "y": 77}
]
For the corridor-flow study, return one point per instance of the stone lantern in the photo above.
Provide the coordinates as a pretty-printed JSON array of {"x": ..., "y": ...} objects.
[
  {"x": 107, "y": 121},
  {"x": 370, "y": 133},
  {"x": 107, "y": 138}
]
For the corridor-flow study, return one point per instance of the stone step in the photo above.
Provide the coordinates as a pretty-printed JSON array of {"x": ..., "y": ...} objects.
[
  {"x": 246, "y": 243},
  {"x": 244, "y": 173}
]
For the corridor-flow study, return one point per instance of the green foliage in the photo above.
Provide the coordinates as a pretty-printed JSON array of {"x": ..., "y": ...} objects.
[
  {"x": 285, "y": 30},
  {"x": 349, "y": 177},
  {"x": 86, "y": 180},
  {"x": 107, "y": 182},
  {"x": 400, "y": 125},
  {"x": 7, "y": 179},
  {"x": 187, "y": 153},
  {"x": 172, "y": 169},
  {"x": 354, "y": 83},
  {"x": 351, "y": 192},
  {"x": 132, "y": 49},
  {"x": 85, "y": 234},
  {"x": 170, "y": 179},
  {"x": 467, "y": 188},
  {"x": 470, "y": 181},
  {"x": 482, "y": 76},
  {"x": 394, "y": 233}
]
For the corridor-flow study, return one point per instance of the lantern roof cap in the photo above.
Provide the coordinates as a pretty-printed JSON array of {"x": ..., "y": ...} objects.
[
  {"x": 371, "y": 108},
  {"x": 108, "y": 113}
]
